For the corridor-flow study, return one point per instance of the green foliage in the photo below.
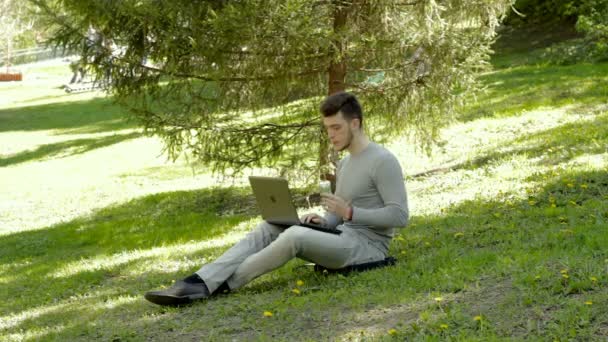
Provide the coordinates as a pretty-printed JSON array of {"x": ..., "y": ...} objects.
[
  {"x": 214, "y": 68},
  {"x": 589, "y": 17},
  {"x": 542, "y": 11}
]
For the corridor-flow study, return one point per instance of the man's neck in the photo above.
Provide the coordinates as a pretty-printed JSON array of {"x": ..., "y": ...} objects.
[{"x": 358, "y": 144}]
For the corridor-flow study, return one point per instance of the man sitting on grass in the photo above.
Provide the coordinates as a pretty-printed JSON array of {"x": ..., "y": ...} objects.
[{"x": 369, "y": 202}]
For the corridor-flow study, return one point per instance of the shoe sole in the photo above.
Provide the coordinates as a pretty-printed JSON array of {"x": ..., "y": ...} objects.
[{"x": 167, "y": 300}]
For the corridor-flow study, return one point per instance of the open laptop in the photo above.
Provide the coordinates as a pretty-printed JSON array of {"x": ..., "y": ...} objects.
[{"x": 276, "y": 204}]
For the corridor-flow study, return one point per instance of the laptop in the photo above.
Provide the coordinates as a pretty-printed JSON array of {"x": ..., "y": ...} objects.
[{"x": 276, "y": 204}]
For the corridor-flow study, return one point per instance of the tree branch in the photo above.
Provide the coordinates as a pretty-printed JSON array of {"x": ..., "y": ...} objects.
[{"x": 237, "y": 78}]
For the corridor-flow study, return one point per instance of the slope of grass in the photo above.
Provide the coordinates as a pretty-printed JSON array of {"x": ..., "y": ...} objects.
[{"x": 508, "y": 241}]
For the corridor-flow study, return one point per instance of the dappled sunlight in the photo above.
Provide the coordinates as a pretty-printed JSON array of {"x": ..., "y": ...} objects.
[
  {"x": 116, "y": 302},
  {"x": 79, "y": 184},
  {"x": 464, "y": 141},
  {"x": 77, "y": 308},
  {"x": 75, "y": 302},
  {"x": 164, "y": 257},
  {"x": 66, "y": 148},
  {"x": 591, "y": 161},
  {"x": 486, "y": 157},
  {"x": 38, "y": 333},
  {"x": 17, "y": 142},
  {"x": 13, "y": 320}
]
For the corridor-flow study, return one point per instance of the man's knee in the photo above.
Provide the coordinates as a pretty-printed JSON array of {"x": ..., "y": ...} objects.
[{"x": 294, "y": 236}]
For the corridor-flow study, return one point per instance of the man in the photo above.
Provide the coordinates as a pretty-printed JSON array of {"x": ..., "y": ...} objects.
[{"x": 369, "y": 202}]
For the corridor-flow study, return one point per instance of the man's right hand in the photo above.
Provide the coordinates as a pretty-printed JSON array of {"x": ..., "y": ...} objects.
[{"x": 314, "y": 218}]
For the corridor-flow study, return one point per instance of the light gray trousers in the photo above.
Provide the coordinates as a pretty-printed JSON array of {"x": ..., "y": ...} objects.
[{"x": 268, "y": 247}]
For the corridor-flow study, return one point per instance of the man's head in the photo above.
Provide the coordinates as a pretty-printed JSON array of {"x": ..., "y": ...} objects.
[{"x": 342, "y": 118}]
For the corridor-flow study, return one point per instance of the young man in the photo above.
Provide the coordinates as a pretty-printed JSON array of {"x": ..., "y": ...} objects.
[{"x": 369, "y": 202}]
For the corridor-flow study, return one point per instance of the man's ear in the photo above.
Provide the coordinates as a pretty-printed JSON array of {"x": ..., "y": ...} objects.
[{"x": 358, "y": 123}]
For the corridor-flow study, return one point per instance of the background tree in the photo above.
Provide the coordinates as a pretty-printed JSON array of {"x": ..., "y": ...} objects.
[
  {"x": 238, "y": 83},
  {"x": 14, "y": 21}
]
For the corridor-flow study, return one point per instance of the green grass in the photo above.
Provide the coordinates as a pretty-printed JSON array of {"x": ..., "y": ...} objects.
[
  {"x": 87, "y": 116},
  {"x": 515, "y": 90},
  {"x": 508, "y": 239},
  {"x": 66, "y": 148}
]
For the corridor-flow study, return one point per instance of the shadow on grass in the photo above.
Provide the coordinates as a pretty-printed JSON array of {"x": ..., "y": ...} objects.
[
  {"x": 526, "y": 88},
  {"x": 65, "y": 258},
  {"x": 498, "y": 240},
  {"x": 161, "y": 220},
  {"x": 553, "y": 146},
  {"x": 91, "y": 116},
  {"x": 67, "y": 148},
  {"x": 525, "y": 45}
]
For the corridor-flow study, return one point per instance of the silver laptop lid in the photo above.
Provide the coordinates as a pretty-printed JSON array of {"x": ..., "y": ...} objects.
[{"x": 274, "y": 200}]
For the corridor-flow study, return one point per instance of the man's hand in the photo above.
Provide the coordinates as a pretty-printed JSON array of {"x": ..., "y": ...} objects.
[
  {"x": 335, "y": 204},
  {"x": 314, "y": 218}
]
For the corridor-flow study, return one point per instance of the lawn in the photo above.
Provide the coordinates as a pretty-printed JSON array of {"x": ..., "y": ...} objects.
[{"x": 508, "y": 237}]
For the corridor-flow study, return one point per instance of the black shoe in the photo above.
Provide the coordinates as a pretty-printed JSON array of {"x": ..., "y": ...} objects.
[{"x": 181, "y": 293}]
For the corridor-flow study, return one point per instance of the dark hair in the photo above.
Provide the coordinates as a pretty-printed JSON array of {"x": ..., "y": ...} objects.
[{"x": 344, "y": 102}]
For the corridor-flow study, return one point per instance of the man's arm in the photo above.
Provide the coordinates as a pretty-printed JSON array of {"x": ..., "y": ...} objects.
[{"x": 388, "y": 178}]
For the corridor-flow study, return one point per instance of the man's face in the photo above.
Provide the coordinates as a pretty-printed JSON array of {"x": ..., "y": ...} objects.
[{"x": 339, "y": 131}]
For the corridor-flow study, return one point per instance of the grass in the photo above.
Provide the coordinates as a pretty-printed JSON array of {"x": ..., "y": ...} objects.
[
  {"x": 507, "y": 240},
  {"x": 86, "y": 116}
]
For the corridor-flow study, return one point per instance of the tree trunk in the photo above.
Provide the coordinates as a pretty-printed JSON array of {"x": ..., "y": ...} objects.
[{"x": 336, "y": 80}]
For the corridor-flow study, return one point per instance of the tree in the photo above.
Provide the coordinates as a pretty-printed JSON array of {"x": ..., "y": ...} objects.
[
  {"x": 238, "y": 83},
  {"x": 13, "y": 22}
]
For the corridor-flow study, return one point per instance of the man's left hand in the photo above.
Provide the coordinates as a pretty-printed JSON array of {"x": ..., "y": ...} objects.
[{"x": 335, "y": 204}]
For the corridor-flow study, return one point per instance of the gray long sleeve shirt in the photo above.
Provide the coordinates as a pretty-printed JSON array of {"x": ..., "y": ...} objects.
[{"x": 373, "y": 182}]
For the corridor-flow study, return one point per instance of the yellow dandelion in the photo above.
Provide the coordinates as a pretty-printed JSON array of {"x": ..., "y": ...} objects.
[
  {"x": 459, "y": 234},
  {"x": 564, "y": 271},
  {"x": 570, "y": 185},
  {"x": 438, "y": 299},
  {"x": 392, "y": 332},
  {"x": 477, "y": 318},
  {"x": 588, "y": 302},
  {"x": 565, "y": 276},
  {"x": 267, "y": 314},
  {"x": 532, "y": 202},
  {"x": 584, "y": 186},
  {"x": 300, "y": 283},
  {"x": 593, "y": 279},
  {"x": 553, "y": 205},
  {"x": 296, "y": 291},
  {"x": 443, "y": 326}
]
